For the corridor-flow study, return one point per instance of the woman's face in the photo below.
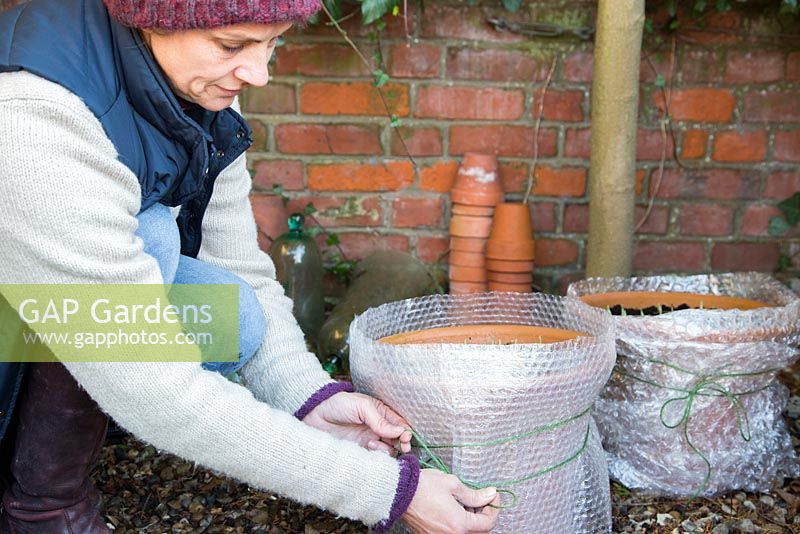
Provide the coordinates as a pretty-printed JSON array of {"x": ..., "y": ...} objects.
[{"x": 211, "y": 67}]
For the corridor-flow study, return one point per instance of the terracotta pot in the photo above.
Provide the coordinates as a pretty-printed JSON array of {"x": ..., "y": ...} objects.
[
  {"x": 512, "y": 223},
  {"x": 645, "y": 299},
  {"x": 505, "y": 250},
  {"x": 479, "y": 211},
  {"x": 509, "y": 266},
  {"x": 467, "y": 274},
  {"x": 504, "y": 286},
  {"x": 470, "y": 226},
  {"x": 484, "y": 334},
  {"x": 463, "y": 288},
  {"x": 468, "y": 244},
  {"x": 510, "y": 278},
  {"x": 467, "y": 259},
  {"x": 477, "y": 183}
]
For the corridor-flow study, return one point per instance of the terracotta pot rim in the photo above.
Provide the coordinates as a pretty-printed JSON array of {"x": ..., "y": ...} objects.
[
  {"x": 510, "y": 278},
  {"x": 484, "y": 334},
  {"x": 475, "y": 198},
  {"x": 467, "y": 259},
  {"x": 646, "y": 299},
  {"x": 466, "y": 209},
  {"x": 511, "y": 250},
  {"x": 510, "y": 287},
  {"x": 468, "y": 244},
  {"x": 509, "y": 266}
]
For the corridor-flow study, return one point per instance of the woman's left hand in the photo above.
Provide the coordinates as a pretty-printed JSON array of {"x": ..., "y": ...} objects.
[{"x": 363, "y": 419}]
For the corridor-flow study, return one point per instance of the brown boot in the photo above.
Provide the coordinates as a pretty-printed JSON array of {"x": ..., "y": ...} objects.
[{"x": 59, "y": 434}]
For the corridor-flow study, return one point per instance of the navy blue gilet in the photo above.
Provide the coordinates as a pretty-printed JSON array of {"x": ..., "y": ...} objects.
[{"x": 176, "y": 158}]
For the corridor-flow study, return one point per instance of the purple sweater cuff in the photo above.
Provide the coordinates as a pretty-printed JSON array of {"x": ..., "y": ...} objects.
[
  {"x": 324, "y": 393},
  {"x": 406, "y": 488}
]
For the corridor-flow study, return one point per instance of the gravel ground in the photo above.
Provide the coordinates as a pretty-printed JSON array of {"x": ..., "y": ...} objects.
[{"x": 145, "y": 491}]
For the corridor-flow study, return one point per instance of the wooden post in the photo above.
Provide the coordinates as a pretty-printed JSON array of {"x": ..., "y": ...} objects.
[{"x": 615, "y": 101}]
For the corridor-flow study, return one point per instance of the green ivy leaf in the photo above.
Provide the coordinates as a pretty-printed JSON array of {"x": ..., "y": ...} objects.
[
  {"x": 395, "y": 121},
  {"x": 313, "y": 231},
  {"x": 784, "y": 262},
  {"x": 723, "y": 5},
  {"x": 512, "y": 5},
  {"x": 777, "y": 226},
  {"x": 672, "y": 8},
  {"x": 334, "y": 8},
  {"x": 791, "y": 209},
  {"x": 660, "y": 82},
  {"x": 310, "y": 209},
  {"x": 381, "y": 78},
  {"x": 372, "y": 10},
  {"x": 648, "y": 26},
  {"x": 333, "y": 239},
  {"x": 700, "y": 5}
]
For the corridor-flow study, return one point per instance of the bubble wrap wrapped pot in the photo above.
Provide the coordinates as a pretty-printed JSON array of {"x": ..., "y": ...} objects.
[
  {"x": 711, "y": 375},
  {"x": 480, "y": 388}
]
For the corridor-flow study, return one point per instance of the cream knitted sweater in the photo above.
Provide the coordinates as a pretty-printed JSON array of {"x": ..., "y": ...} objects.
[{"x": 68, "y": 215}]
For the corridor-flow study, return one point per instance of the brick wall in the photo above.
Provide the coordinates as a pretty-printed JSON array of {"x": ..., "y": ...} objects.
[{"x": 460, "y": 86}]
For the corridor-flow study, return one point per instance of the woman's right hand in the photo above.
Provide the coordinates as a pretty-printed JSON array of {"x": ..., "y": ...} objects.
[{"x": 441, "y": 503}]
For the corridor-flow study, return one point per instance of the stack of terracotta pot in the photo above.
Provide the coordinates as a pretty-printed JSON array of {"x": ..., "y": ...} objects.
[
  {"x": 476, "y": 192},
  {"x": 510, "y": 249}
]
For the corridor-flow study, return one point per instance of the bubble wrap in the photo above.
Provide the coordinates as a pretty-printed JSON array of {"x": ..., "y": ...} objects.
[
  {"x": 643, "y": 453},
  {"x": 467, "y": 393}
]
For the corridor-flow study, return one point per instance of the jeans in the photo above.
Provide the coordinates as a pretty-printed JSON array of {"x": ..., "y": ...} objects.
[{"x": 159, "y": 231}]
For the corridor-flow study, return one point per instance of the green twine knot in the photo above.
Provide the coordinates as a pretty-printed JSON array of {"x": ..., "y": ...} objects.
[
  {"x": 434, "y": 461},
  {"x": 706, "y": 385}
]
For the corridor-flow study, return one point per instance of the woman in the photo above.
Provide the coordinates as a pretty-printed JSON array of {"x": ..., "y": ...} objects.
[{"x": 111, "y": 112}]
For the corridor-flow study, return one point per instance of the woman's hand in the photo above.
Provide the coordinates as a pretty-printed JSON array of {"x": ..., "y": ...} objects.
[
  {"x": 440, "y": 506},
  {"x": 363, "y": 419}
]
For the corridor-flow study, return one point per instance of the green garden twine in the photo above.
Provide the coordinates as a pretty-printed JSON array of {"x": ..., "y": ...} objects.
[
  {"x": 706, "y": 385},
  {"x": 435, "y": 462}
]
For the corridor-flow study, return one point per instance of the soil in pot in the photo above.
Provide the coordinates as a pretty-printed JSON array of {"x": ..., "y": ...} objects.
[
  {"x": 656, "y": 303},
  {"x": 484, "y": 334}
]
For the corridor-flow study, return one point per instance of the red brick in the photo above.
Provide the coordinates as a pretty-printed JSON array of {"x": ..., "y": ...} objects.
[
  {"x": 699, "y": 104},
  {"x": 705, "y": 219},
  {"x": 730, "y": 21},
  {"x": 781, "y": 185},
  {"x": 787, "y": 145},
  {"x": 740, "y": 146},
  {"x": 543, "y": 216},
  {"x": 513, "y": 176},
  {"x": 565, "y": 106},
  {"x": 694, "y": 144},
  {"x": 756, "y": 221},
  {"x": 657, "y": 221},
  {"x": 354, "y": 98},
  {"x": 337, "y": 211},
  {"x": 658, "y": 64},
  {"x": 576, "y": 219},
  {"x": 359, "y": 245},
  {"x": 319, "y": 59},
  {"x": 286, "y": 173},
  {"x": 501, "y": 140},
  {"x": 559, "y": 182},
  {"x": 461, "y": 22},
  {"x": 555, "y": 252},
  {"x": 260, "y": 135},
  {"x": 414, "y": 212},
  {"x": 396, "y": 27},
  {"x": 494, "y": 65},
  {"x": 793, "y": 67},
  {"x": 666, "y": 256},
  {"x": 388, "y": 176},
  {"x": 745, "y": 256},
  {"x": 721, "y": 184},
  {"x": 418, "y": 141},
  {"x": 578, "y": 143},
  {"x": 327, "y": 139},
  {"x": 414, "y": 60},
  {"x": 651, "y": 143},
  {"x": 469, "y": 103},
  {"x": 772, "y": 106},
  {"x": 274, "y": 98},
  {"x": 755, "y": 66},
  {"x": 578, "y": 67},
  {"x": 700, "y": 65},
  {"x": 438, "y": 177},
  {"x": 430, "y": 249},
  {"x": 270, "y": 215}
]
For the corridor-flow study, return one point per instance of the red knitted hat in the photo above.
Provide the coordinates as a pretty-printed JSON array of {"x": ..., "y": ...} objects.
[{"x": 190, "y": 14}]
